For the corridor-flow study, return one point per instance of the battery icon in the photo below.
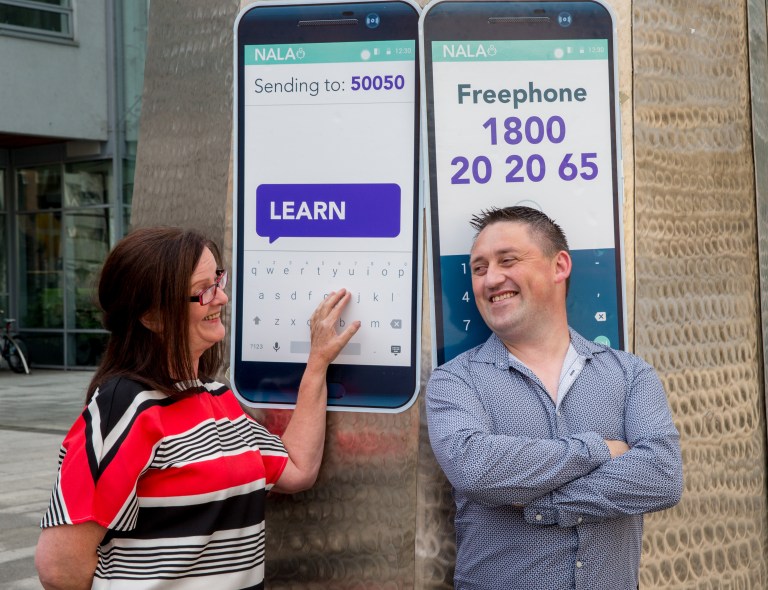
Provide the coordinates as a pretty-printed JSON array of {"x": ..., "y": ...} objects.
[{"x": 375, "y": 51}]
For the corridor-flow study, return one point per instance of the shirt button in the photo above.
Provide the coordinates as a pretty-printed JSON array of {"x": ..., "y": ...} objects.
[
  {"x": 539, "y": 517},
  {"x": 579, "y": 563},
  {"x": 579, "y": 520}
]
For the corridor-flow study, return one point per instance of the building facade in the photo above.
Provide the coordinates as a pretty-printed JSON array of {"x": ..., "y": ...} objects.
[{"x": 72, "y": 76}]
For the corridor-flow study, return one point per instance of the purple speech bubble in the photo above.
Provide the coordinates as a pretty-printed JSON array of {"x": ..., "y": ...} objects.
[{"x": 328, "y": 211}]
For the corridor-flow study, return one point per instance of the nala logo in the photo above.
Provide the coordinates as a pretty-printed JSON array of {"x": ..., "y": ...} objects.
[
  {"x": 278, "y": 54},
  {"x": 468, "y": 50}
]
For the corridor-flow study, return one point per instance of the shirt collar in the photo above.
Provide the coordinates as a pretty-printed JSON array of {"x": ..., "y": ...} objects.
[{"x": 494, "y": 352}]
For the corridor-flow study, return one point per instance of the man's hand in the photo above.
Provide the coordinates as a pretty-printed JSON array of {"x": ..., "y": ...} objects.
[{"x": 617, "y": 447}]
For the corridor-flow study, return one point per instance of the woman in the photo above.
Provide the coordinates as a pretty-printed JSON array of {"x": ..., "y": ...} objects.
[{"x": 163, "y": 477}]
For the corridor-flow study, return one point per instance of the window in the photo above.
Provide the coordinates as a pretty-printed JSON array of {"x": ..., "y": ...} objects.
[{"x": 40, "y": 17}]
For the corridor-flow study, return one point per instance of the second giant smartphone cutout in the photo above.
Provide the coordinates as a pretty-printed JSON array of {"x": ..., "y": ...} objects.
[
  {"x": 327, "y": 198},
  {"x": 521, "y": 109}
]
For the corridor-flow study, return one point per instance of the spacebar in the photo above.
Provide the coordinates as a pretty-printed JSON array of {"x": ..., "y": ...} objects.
[{"x": 302, "y": 347}]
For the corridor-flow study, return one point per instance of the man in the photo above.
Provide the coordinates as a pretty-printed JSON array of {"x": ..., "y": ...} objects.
[{"x": 555, "y": 446}]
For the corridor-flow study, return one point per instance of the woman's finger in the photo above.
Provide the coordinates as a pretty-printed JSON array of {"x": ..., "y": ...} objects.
[{"x": 330, "y": 302}]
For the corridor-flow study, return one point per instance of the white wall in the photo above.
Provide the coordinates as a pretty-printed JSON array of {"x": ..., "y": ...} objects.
[{"x": 55, "y": 89}]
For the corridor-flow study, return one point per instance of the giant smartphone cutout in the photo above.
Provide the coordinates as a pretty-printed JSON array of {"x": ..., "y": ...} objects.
[
  {"x": 327, "y": 197},
  {"x": 521, "y": 109}
]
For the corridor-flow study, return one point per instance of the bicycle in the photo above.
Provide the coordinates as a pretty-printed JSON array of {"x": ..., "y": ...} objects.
[{"x": 13, "y": 350}]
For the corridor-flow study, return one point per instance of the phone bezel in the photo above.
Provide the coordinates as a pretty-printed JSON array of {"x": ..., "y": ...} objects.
[
  {"x": 462, "y": 20},
  {"x": 366, "y": 388}
]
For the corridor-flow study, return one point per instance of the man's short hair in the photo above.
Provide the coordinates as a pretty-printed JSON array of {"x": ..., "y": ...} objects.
[{"x": 548, "y": 233}]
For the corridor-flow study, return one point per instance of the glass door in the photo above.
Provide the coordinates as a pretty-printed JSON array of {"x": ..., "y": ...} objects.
[
  {"x": 41, "y": 281},
  {"x": 65, "y": 224}
]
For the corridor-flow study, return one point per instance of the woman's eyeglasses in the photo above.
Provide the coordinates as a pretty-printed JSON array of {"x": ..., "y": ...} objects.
[{"x": 205, "y": 296}]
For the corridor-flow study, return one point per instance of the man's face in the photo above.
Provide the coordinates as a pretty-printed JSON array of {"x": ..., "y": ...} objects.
[{"x": 517, "y": 287}]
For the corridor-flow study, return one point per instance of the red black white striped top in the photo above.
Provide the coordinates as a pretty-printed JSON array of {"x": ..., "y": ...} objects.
[{"x": 179, "y": 482}]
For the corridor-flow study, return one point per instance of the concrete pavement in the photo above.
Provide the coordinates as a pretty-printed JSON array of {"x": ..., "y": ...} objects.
[{"x": 36, "y": 411}]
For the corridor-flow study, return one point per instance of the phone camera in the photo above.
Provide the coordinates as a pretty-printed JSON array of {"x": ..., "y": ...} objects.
[
  {"x": 564, "y": 19},
  {"x": 372, "y": 20}
]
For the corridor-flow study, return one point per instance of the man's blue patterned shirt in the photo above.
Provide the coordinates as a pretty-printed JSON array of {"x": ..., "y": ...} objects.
[{"x": 540, "y": 504}]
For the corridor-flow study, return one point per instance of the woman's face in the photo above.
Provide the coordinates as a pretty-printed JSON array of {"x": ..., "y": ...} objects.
[{"x": 205, "y": 326}]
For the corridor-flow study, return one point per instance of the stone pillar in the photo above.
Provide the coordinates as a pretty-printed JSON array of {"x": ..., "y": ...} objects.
[
  {"x": 380, "y": 515},
  {"x": 697, "y": 313}
]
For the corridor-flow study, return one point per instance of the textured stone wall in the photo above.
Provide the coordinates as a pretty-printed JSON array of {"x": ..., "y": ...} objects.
[
  {"x": 696, "y": 310},
  {"x": 185, "y": 133}
]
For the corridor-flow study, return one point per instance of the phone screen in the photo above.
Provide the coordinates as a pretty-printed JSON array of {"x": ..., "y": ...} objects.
[
  {"x": 521, "y": 110},
  {"x": 327, "y": 198}
]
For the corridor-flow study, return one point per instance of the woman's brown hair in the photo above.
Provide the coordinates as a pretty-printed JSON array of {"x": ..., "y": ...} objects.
[{"x": 147, "y": 274}]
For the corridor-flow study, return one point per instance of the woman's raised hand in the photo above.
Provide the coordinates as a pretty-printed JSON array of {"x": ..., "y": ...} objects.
[{"x": 326, "y": 341}]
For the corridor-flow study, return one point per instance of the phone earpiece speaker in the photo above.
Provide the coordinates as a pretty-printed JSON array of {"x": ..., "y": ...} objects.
[
  {"x": 516, "y": 20},
  {"x": 334, "y": 22}
]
